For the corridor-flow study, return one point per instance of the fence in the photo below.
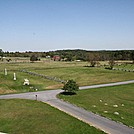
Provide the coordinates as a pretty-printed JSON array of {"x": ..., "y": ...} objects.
[{"x": 43, "y": 76}]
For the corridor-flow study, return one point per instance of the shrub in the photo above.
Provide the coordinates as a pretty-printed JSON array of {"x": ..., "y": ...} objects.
[
  {"x": 70, "y": 86},
  {"x": 33, "y": 58}
]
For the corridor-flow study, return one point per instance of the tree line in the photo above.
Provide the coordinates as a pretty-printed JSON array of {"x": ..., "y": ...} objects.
[{"x": 78, "y": 54}]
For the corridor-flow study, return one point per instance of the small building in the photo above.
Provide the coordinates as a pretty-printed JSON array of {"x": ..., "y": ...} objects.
[
  {"x": 56, "y": 58},
  {"x": 48, "y": 57}
]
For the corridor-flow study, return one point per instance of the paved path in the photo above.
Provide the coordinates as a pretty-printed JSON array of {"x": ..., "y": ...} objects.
[
  {"x": 109, "y": 84},
  {"x": 97, "y": 121}
]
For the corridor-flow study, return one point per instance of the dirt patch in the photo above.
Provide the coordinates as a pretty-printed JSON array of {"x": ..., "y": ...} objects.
[
  {"x": 5, "y": 91},
  {"x": 55, "y": 86}
]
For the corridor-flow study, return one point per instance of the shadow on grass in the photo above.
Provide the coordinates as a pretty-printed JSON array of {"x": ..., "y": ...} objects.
[{"x": 68, "y": 93}]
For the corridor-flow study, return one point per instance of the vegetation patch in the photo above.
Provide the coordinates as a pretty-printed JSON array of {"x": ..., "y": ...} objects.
[
  {"x": 54, "y": 86},
  {"x": 116, "y": 103},
  {"x": 57, "y": 70},
  {"x": 32, "y": 117},
  {"x": 3, "y": 91},
  {"x": 70, "y": 87}
]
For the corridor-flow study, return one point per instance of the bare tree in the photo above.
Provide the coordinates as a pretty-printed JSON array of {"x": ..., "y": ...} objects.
[{"x": 111, "y": 61}]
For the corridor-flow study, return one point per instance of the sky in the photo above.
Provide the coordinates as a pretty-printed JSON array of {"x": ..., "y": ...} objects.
[{"x": 47, "y": 25}]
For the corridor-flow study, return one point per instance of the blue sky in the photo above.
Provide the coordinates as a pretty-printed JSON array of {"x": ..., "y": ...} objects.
[{"x": 43, "y": 25}]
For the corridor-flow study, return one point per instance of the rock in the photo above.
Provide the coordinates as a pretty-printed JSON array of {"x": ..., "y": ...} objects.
[
  {"x": 116, "y": 113},
  {"x": 105, "y": 111},
  {"x": 94, "y": 105},
  {"x": 122, "y": 105},
  {"x": 115, "y": 105},
  {"x": 122, "y": 117},
  {"x": 105, "y": 104},
  {"x": 100, "y": 100}
]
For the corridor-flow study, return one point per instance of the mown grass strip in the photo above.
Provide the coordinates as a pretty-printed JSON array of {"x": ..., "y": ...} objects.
[{"x": 32, "y": 117}]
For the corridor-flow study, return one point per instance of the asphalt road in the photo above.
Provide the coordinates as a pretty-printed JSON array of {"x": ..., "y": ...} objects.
[{"x": 97, "y": 121}]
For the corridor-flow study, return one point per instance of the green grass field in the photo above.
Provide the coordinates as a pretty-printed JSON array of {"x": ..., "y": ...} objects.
[
  {"x": 63, "y": 70},
  {"x": 125, "y": 66},
  {"x": 25, "y": 116},
  {"x": 32, "y": 117},
  {"x": 101, "y": 101}
]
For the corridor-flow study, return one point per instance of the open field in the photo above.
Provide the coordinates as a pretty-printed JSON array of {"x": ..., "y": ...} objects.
[
  {"x": 28, "y": 115},
  {"x": 61, "y": 70},
  {"x": 125, "y": 66},
  {"x": 107, "y": 100},
  {"x": 32, "y": 117}
]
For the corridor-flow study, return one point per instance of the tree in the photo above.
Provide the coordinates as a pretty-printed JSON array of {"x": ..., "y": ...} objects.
[
  {"x": 132, "y": 56},
  {"x": 111, "y": 61},
  {"x": 1, "y": 52},
  {"x": 93, "y": 58},
  {"x": 33, "y": 58},
  {"x": 70, "y": 86}
]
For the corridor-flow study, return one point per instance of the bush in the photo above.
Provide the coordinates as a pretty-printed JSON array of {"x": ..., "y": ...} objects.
[
  {"x": 70, "y": 86},
  {"x": 33, "y": 58}
]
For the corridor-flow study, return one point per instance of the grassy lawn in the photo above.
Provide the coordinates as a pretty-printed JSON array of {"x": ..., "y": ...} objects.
[
  {"x": 63, "y": 70},
  {"x": 8, "y": 85},
  {"x": 88, "y": 75},
  {"x": 32, "y": 117},
  {"x": 107, "y": 100}
]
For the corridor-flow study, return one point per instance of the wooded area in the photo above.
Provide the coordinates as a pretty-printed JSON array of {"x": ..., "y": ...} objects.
[{"x": 78, "y": 54}]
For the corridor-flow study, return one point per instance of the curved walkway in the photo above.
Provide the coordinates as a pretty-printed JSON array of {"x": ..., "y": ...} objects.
[{"x": 97, "y": 121}]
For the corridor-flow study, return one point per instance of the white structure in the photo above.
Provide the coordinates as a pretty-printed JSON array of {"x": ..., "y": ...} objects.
[
  {"x": 26, "y": 82},
  {"x": 14, "y": 76},
  {"x": 5, "y": 71}
]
